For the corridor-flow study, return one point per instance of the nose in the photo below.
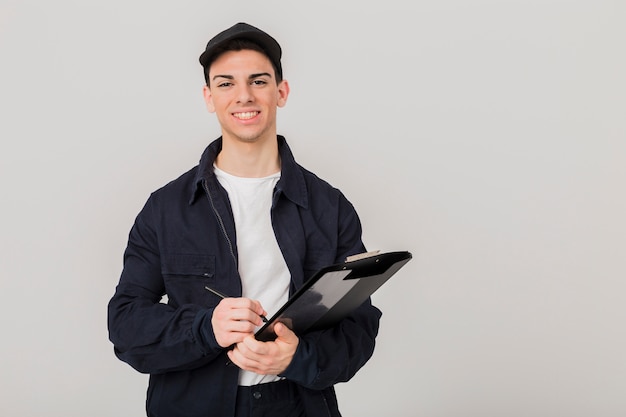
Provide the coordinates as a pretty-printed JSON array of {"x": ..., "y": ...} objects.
[{"x": 244, "y": 93}]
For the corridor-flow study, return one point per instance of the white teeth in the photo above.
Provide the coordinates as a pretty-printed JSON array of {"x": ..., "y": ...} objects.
[{"x": 246, "y": 115}]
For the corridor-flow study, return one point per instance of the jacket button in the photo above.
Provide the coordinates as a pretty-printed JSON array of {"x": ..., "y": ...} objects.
[{"x": 256, "y": 395}]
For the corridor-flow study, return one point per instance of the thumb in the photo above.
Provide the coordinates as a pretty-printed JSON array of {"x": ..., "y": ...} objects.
[{"x": 284, "y": 332}]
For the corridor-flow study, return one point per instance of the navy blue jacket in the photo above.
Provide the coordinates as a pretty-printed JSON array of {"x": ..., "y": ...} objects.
[{"x": 184, "y": 239}]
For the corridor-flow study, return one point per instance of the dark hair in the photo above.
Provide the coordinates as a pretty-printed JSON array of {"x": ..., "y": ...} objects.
[{"x": 239, "y": 45}]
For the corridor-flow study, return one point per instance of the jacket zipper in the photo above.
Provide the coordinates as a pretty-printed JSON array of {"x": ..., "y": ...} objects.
[
  {"x": 221, "y": 222},
  {"x": 327, "y": 408}
]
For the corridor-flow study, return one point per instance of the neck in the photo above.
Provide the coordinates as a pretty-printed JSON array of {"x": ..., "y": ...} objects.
[{"x": 249, "y": 159}]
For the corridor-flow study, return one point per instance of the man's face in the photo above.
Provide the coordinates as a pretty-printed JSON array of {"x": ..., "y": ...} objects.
[{"x": 244, "y": 96}]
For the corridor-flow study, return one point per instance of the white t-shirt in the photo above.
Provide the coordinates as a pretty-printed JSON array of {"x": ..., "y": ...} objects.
[{"x": 264, "y": 273}]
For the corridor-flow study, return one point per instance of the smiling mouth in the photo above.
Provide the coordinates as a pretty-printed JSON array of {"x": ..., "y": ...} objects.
[{"x": 246, "y": 115}]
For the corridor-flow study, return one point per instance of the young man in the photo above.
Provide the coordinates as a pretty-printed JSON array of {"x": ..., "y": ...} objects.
[{"x": 250, "y": 223}]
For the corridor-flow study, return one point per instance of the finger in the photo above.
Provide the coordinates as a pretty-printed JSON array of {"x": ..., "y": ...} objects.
[
  {"x": 243, "y": 360},
  {"x": 263, "y": 365},
  {"x": 237, "y": 315},
  {"x": 258, "y": 309},
  {"x": 245, "y": 303},
  {"x": 245, "y": 315},
  {"x": 241, "y": 309},
  {"x": 284, "y": 333},
  {"x": 239, "y": 326},
  {"x": 251, "y": 347},
  {"x": 235, "y": 320}
]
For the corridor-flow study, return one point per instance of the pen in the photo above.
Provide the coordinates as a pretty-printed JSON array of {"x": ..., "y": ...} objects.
[{"x": 219, "y": 294}]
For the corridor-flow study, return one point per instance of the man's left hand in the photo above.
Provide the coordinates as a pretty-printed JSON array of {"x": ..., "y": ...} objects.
[{"x": 266, "y": 358}]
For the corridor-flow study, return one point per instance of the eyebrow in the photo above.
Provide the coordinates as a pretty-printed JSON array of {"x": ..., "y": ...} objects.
[{"x": 250, "y": 77}]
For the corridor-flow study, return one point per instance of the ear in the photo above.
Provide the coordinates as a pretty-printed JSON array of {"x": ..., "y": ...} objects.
[
  {"x": 283, "y": 93},
  {"x": 208, "y": 99}
]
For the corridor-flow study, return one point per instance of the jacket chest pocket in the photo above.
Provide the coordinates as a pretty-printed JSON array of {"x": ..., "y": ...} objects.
[{"x": 185, "y": 276}]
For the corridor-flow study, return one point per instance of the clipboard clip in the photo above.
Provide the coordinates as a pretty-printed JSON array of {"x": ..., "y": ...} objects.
[{"x": 363, "y": 255}]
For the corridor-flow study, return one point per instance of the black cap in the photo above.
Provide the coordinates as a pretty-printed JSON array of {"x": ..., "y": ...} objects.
[{"x": 244, "y": 31}]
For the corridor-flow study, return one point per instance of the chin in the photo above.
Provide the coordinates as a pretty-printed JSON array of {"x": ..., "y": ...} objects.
[{"x": 250, "y": 137}]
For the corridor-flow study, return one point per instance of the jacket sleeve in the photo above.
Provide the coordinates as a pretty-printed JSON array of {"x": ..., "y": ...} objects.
[
  {"x": 329, "y": 356},
  {"x": 151, "y": 336}
]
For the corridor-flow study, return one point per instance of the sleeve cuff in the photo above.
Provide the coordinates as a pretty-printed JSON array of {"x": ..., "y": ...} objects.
[{"x": 203, "y": 331}]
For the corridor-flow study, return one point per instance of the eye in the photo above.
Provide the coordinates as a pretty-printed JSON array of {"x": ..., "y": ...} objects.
[
  {"x": 225, "y": 84},
  {"x": 259, "y": 82}
]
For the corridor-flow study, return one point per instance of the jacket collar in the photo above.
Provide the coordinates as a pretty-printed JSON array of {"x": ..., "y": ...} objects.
[{"x": 291, "y": 183}]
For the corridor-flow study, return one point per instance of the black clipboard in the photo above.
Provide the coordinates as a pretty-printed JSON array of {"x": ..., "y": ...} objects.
[{"x": 333, "y": 292}]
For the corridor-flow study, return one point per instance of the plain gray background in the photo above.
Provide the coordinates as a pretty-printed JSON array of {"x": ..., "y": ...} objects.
[{"x": 486, "y": 137}]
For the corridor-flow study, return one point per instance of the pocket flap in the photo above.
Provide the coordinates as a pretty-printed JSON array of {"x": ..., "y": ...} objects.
[{"x": 188, "y": 264}]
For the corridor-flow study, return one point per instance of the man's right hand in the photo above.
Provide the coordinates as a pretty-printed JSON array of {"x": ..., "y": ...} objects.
[{"x": 234, "y": 319}]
